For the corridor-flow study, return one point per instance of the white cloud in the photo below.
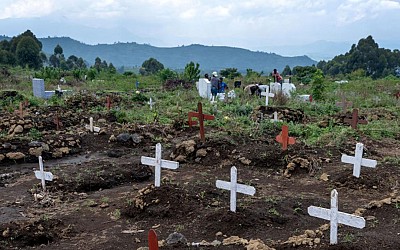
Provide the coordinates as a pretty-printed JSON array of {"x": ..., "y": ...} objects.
[{"x": 27, "y": 8}]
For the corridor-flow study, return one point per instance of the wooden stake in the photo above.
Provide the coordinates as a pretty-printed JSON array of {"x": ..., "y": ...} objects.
[{"x": 201, "y": 117}]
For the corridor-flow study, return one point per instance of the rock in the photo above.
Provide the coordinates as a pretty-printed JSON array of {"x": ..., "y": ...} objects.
[
  {"x": 2, "y": 157},
  {"x": 28, "y": 126},
  {"x": 136, "y": 138},
  {"x": 35, "y": 144},
  {"x": 257, "y": 245},
  {"x": 112, "y": 138},
  {"x": 124, "y": 137},
  {"x": 36, "y": 151},
  {"x": 15, "y": 155},
  {"x": 101, "y": 120},
  {"x": 201, "y": 152},
  {"x": 244, "y": 161},
  {"x": 310, "y": 233},
  {"x": 234, "y": 240},
  {"x": 45, "y": 147},
  {"x": 219, "y": 234},
  {"x": 64, "y": 150},
  {"x": 18, "y": 129},
  {"x": 7, "y": 145},
  {"x": 12, "y": 128},
  {"x": 176, "y": 239},
  {"x": 182, "y": 150}
]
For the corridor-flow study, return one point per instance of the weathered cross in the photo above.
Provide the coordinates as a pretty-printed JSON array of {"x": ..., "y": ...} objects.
[
  {"x": 358, "y": 161},
  {"x": 355, "y": 120},
  {"x": 344, "y": 104},
  {"x": 91, "y": 127},
  {"x": 41, "y": 175},
  {"x": 108, "y": 105},
  {"x": 335, "y": 217},
  {"x": 151, "y": 103},
  {"x": 284, "y": 139},
  {"x": 21, "y": 109},
  {"x": 275, "y": 117},
  {"x": 57, "y": 122},
  {"x": 201, "y": 117},
  {"x": 153, "y": 242},
  {"x": 267, "y": 94},
  {"x": 234, "y": 187},
  {"x": 159, "y": 163}
]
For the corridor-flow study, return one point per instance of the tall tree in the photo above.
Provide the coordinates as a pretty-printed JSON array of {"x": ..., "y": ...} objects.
[
  {"x": 192, "y": 72},
  {"x": 152, "y": 66},
  {"x": 28, "y": 53}
]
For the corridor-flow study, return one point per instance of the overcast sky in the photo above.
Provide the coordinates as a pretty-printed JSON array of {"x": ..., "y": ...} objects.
[{"x": 251, "y": 24}]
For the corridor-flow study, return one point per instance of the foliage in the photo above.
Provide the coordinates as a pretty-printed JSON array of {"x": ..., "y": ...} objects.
[
  {"x": 304, "y": 74},
  {"x": 28, "y": 53},
  {"x": 366, "y": 55},
  {"x": 167, "y": 74},
  {"x": 192, "y": 72},
  {"x": 230, "y": 73},
  {"x": 287, "y": 71},
  {"x": 317, "y": 86},
  {"x": 151, "y": 66}
]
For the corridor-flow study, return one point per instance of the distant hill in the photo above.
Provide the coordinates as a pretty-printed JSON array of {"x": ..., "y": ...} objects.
[{"x": 210, "y": 58}]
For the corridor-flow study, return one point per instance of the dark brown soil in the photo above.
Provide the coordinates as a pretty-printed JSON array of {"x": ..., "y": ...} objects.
[{"x": 102, "y": 197}]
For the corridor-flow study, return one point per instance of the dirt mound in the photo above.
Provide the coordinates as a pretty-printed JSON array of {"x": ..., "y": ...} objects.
[{"x": 284, "y": 114}]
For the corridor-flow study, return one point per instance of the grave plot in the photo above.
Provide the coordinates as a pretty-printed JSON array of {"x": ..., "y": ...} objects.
[{"x": 284, "y": 114}]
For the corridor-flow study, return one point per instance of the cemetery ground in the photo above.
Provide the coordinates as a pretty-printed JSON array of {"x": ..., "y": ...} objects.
[{"x": 103, "y": 197}]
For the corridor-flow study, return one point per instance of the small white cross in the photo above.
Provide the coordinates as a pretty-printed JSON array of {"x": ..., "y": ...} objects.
[
  {"x": 335, "y": 217},
  {"x": 267, "y": 94},
  {"x": 41, "y": 175},
  {"x": 275, "y": 117},
  {"x": 358, "y": 161},
  {"x": 159, "y": 163},
  {"x": 151, "y": 103},
  {"x": 92, "y": 128},
  {"x": 234, "y": 187}
]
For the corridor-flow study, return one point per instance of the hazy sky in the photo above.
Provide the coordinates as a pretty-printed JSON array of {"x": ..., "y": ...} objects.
[{"x": 251, "y": 24}]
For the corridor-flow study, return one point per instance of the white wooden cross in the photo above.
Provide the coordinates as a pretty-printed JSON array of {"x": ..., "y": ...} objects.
[
  {"x": 275, "y": 117},
  {"x": 91, "y": 127},
  {"x": 335, "y": 217},
  {"x": 267, "y": 94},
  {"x": 44, "y": 176},
  {"x": 151, "y": 103},
  {"x": 234, "y": 187},
  {"x": 158, "y": 163},
  {"x": 358, "y": 161}
]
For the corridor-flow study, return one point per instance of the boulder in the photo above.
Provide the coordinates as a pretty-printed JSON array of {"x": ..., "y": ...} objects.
[
  {"x": 15, "y": 155},
  {"x": 176, "y": 239},
  {"x": 2, "y": 157},
  {"x": 18, "y": 129},
  {"x": 36, "y": 151}
]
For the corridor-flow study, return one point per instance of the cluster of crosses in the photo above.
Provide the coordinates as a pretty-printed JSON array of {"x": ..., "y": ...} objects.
[{"x": 333, "y": 215}]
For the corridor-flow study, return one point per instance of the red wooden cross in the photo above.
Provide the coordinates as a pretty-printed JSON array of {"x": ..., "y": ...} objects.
[
  {"x": 201, "y": 117},
  {"x": 57, "y": 122},
  {"x": 397, "y": 95},
  {"x": 21, "y": 110},
  {"x": 153, "y": 242},
  {"x": 284, "y": 139},
  {"x": 354, "y": 120},
  {"x": 108, "y": 103}
]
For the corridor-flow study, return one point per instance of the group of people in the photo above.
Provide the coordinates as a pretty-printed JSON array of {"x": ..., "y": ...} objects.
[{"x": 217, "y": 84}]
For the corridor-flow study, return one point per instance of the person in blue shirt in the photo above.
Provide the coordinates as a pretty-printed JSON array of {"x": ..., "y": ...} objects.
[{"x": 222, "y": 85}]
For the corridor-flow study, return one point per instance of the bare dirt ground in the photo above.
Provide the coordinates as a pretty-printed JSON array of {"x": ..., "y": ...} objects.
[{"x": 102, "y": 197}]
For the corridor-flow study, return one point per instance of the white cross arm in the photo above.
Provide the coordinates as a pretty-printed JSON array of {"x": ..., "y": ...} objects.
[
  {"x": 47, "y": 175},
  {"x": 343, "y": 218},
  {"x": 240, "y": 188},
  {"x": 95, "y": 129},
  {"x": 364, "y": 162},
  {"x": 267, "y": 94},
  {"x": 164, "y": 163}
]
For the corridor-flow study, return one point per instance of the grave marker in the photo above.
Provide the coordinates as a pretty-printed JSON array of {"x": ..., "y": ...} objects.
[
  {"x": 267, "y": 94},
  {"x": 201, "y": 117},
  {"x": 234, "y": 188},
  {"x": 354, "y": 121},
  {"x": 151, "y": 103},
  {"x": 92, "y": 128},
  {"x": 344, "y": 104},
  {"x": 108, "y": 105},
  {"x": 275, "y": 119},
  {"x": 42, "y": 175},
  {"x": 21, "y": 110},
  {"x": 153, "y": 242},
  {"x": 284, "y": 139},
  {"x": 158, "y": 163},
  {"x": 358, "y": 161},
  {"x": 57, "y": 122},
  {"x": 335, "y": 217}
]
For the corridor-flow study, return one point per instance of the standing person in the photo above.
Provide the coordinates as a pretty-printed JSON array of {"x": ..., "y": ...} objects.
[
  {"x": 222, "y": 86},
  {"x": 277, "y": 77},
  {"x": 214, "y": 85}
]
